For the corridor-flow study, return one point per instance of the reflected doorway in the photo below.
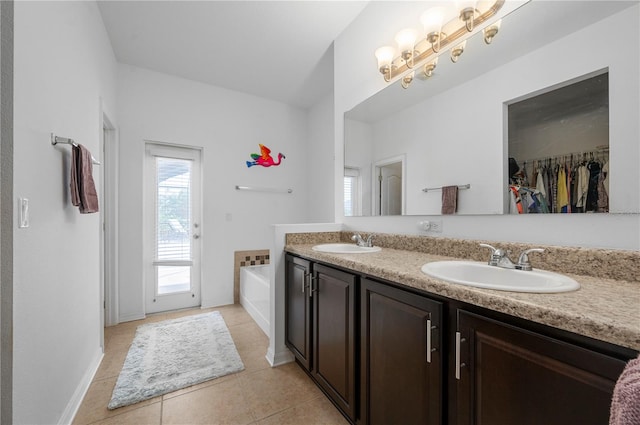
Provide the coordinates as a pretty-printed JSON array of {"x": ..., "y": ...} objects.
[{"x": 388, "y": 183}]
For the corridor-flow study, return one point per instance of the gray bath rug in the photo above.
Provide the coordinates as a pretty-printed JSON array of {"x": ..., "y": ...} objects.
[{"x": 174, "y": 354}]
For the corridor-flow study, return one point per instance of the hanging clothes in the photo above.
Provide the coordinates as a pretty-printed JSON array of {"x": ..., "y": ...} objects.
[
  {"x": 562, "y": 198},
  {"x": 605, "y": 171},
  {"x": 592, "y": 192},
  {"x": 582, "y": 187},
  {"x": 603, "y": 196},
  {"x": 515, "y": 202}
]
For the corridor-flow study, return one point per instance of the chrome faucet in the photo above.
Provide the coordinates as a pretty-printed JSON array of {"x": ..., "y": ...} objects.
[
  {"x": 523, "y": 259},
  {"x": 500, "y": 258},
  {"x": 362, "y": 242}
]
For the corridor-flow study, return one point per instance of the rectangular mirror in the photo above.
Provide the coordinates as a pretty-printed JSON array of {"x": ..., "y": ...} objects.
[{"x": 453, "y": 128}]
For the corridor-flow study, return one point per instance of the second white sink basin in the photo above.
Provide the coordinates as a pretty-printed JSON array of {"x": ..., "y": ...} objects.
[
  {"x": 482, "y": 275},
  {"x": 345, "y": 248}
]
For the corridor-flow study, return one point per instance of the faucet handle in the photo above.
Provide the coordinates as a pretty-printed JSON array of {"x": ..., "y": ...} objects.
[
  {"x": 485, "y": 245},
  {"x": 495, "y": 254},
  {"x": 523, "y": 260},
  {"x": 370, "y": 239}
]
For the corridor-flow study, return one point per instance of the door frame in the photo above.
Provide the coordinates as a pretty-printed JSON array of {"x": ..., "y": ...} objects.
[
  {"x": 109, "y": 141},
  {"x": 375, "y": 171},
  {"x": 147, "y": 255}
]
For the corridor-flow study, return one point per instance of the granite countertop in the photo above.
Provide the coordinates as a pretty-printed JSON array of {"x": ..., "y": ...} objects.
[{"x": 603, "y": 309}]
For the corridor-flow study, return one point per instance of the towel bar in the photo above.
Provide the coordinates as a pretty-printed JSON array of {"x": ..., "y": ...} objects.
[
  {"x": 460, "y": 187},
  {"x": 66, "y": 141},
  {"x": 264, "y": 189}
]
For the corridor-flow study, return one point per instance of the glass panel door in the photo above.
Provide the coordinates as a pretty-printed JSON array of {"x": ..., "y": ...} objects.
[{"x": 173, "y": 200}]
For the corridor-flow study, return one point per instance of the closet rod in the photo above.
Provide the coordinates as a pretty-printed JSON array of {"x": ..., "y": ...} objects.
[
  {"x": 595, "y": 153},
  {"x": 66, "y": 141},
  {"x": 264, "y": 189},
  {"x": 460, "y": 187}
]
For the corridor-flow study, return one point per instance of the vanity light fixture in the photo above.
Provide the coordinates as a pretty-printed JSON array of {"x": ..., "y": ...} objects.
[
  {"x": 467, "y": 15},
  {"x": 491, "y": 31},
  {"x": 432, "y": 21},
  {"x": 444, "y": 29},
  {"x": 457, "y": 51},
  {"x": 407, "y": 79},
  {"x": 385, "y": 61},
  {"x": 428, "y": 68},
  {"x": 406, "y": 40}
]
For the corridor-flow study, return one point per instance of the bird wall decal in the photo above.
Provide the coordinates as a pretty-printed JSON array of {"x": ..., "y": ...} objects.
[{"x": 264, "y": 159}]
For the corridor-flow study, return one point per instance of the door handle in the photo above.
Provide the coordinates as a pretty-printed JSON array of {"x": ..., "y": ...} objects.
[
  {"x": 311, "y": 290},
  {"x": 459, "y": 340},
  {"x": 430, "y": 350},
  {"x": 305, "y": 276}
]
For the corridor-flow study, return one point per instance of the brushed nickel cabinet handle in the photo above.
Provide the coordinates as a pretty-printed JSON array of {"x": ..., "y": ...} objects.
[
  {"x": 459, "y": 365},
  {"x": 429, "y": 349}
]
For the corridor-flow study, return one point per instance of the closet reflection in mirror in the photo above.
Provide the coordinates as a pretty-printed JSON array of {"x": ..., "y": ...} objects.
[
  {"x": 559, "y": 148},
  {"x": 453, "y": 127}
]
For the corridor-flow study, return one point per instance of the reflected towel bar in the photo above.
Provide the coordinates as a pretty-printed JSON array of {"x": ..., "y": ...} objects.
[
  {"x": 66, "y": 141},
  {"x": 460, "y": 187},
  {"x": 264, "y": 189}
]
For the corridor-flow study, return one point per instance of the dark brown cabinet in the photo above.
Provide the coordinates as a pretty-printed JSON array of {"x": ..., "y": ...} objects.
[
  {"x": 508, "y": 375},
  {"x": 386, "y": 355},
  {"x": 334, "y": 338},
  {"x": 298, "y": 309},
  {"x": 401, "y": 357},
  {"x": 320, "y": 327}
]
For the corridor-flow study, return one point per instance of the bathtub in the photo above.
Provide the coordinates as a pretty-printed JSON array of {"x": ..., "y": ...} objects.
[{"x": 254, "y": 293}]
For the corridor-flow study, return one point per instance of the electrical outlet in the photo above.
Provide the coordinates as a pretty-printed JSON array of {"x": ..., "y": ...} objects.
[
  {"x": 431, "y": 226},
  {"x": 435, "y": 226}
]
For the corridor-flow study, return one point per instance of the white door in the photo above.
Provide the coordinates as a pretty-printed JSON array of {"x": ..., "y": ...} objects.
[
  {"x": 172, "y": 227},
  {"x": 388, "y": 189}
]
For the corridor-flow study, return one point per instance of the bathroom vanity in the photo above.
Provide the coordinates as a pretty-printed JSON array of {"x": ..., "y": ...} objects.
[{"x": 389, "y": 344}]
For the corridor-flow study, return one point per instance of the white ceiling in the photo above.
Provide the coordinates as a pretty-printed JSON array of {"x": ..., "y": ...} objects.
[{"x": 280, "y": 50}]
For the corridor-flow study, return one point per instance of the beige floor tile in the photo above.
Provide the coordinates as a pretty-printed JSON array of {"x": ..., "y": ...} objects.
[
  {"x": 253, "y": 359},
  {"x": 111, "y": 364},
  {"x": 318, "y": 411},
  {"x": 234, "y": 314},
  {"x": 202, "y": 385},
  {"x": 94, "y": 405},
  {"x": 274, "y": 395},
  {"x": 223, "y": 403},
  {"x": 147, "y": 415},
  {"x": 272, "y": 390},
  {"x": 248, "y": 335}
]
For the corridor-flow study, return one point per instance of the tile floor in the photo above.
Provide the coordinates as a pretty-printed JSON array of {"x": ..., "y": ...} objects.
[{"x": 259, "y": 395}]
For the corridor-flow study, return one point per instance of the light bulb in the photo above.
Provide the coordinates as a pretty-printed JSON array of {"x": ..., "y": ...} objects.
[
  {"x": 406, "y": 40},
  {"x": 432, "y": 19}
]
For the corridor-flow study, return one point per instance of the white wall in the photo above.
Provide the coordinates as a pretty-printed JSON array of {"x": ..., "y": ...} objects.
[
  {"x": 528, "y": 74},
  {"x": 63, "y": 67},
  {"x": 228, "y": 126},
  {"x": 359, "y": 154},
  {"x": 320, "y": 162}
]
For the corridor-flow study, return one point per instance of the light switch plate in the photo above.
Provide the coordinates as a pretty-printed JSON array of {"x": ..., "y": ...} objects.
[{"x": 23, "y": 208}]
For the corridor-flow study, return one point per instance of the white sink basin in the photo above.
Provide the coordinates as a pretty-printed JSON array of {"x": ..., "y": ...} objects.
[
  {"x": 482, "y": 275},
  {"x": 345, "y": 248}
]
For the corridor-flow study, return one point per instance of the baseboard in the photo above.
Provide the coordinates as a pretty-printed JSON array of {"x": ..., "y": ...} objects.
[
  {"x": 131, "y": 317},
  {"x": 76, "y": 400},
  {"x": 280, "y": 358}
]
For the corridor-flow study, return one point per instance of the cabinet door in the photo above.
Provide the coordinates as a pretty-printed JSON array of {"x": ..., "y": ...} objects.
[
  {"x": 298, "y": 309},
  {"x": 334, "y": 335},
  {"x": 401, "y": 371},
  {"x": 513, "y": 376}
]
